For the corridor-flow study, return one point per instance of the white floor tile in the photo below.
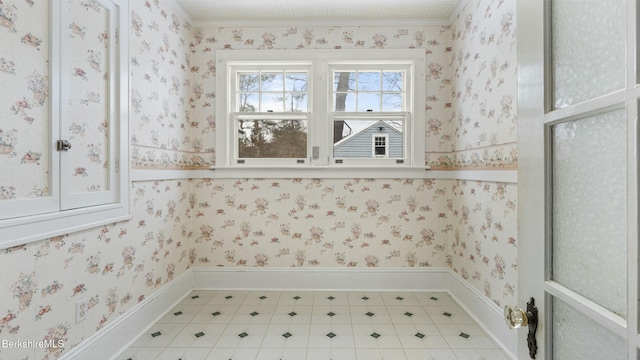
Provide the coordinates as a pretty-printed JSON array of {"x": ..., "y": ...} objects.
[
  {"x": 220, "y": 353},
  {"x": 297, "y": 298},
  {"x": 380, "y": 354},
  {"x": 441, "y": 354},
  {"x": 331, "y": 354},
  {"x": 326, "y": 314},
  {"x": 140, "y": 354},
  {"x": 318, "y": 336},
  {"x": 370, "y": 315},
  {"x": 184, "y": 353},
  {"x": 308, "y": 325},
  {"x": 281, "y": 354}
]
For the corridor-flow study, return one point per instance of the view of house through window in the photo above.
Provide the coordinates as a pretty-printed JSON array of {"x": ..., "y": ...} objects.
[{"x": 366, "y": 94}]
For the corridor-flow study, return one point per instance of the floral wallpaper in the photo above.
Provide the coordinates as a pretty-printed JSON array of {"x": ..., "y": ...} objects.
[
  {"x": 483, "y": 249},
  {"x": 161, "y": 87},
  {"x": 483, "y": 71},
  {"x": 321, "y": 222},
  {"x": 467, "y": 225},
  {"x": 24, "y": 100}
]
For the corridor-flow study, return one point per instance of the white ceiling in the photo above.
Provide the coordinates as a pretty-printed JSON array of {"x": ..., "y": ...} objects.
[{"x": 338, "y": 12}]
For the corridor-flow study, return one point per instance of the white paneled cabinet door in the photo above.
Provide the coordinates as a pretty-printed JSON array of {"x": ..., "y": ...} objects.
[
  {"x": 89, "y": 115},
  {"x": 28, "y": 169},
  {"x": 578, "y": 205}
]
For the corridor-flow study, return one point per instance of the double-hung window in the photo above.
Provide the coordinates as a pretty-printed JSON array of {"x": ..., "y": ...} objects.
[
  {"x": 371, "y": 109},
  {"x": 308, "y": 109},
  {"x": 270, "y": 114}
]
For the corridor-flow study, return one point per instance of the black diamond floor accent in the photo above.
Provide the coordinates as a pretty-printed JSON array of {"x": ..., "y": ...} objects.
[
  {"x": 399, "y": 298},
  {"x": 369, "y": 314},
  {"x": 195, "y": 296},
  {"x": 433, "y": 298},
  {"x": 287, "y": 335},
  {"x": 292, "y": 314},
  {"x": 375, "y": 335},
  {"x": 419, "y": 335},
  {"x": 408, "y": 314},
  {"x": 228, "y": 297},
  {"x": 216, "y": 313},
  {"x": 466, "y": 336},
  {"x": 243, "y": 335},
  {"x": 365, "y": 298},
  {"x": 157, "y": 333},
  {"x": 177, "y": 313},
  {"x": 297, "y": 298},
  {"x": 447, "y": 314},
  {"x": 331, "y": 313},
  {"x": 254, "y": 313},
  {"x": 262, "y": 297},
  {"x": 330, "y": 298},
  {"x": 331, "y": 335},
  {"x": 200, "y": 334}
]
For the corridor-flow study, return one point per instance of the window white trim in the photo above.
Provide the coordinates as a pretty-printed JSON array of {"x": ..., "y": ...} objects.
[{"x": 320, "y": 126}]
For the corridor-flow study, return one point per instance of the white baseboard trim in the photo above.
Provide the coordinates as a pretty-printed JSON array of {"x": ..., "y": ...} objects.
[
  {"x": 354, "y": 279},
  {"x": 118, "y": 335},
  {"x": 485, "y": 312}
]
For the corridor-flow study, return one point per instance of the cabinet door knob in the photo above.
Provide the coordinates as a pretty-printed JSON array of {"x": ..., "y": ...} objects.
[{"x": 63, "y": 145}]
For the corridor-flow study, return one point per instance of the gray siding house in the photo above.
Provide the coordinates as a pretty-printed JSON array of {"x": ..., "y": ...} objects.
[{"x": 379, "y": 140}]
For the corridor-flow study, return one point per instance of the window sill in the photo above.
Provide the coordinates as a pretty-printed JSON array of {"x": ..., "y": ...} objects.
[
  {"x": 23, "y": 230},
  {"x": 321, "y": 172}
]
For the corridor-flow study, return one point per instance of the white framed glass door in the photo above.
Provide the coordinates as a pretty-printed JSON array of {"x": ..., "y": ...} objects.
[{"x": 578, "y": 189}]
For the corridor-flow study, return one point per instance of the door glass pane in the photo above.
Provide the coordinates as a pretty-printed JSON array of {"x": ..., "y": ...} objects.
[
  {"x": 24, "y": 103},
  {"x": 588, "y": 49},
  {"x": 89, "y": 100},
  {"x": 589, "y": 208},
  {"x": 575, "y": 336}
]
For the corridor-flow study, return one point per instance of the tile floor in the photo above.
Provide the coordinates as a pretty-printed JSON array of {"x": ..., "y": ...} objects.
[{"x": 274, "y": 325}]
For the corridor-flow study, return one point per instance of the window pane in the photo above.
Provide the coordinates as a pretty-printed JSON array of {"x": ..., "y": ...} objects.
[
  {"x": 271, "y": 82},
  {"x": 355, "y": 138},
  {"x": 368, "y": 101},
  {"x": 247, "y": 102},
  {"x": 296, "y": 82},
  {"x": 344, "y": 81},
  {"x": 295, "y": 102},
  {"x": 248, "y": 82},
  {"x": 271, "y": 102},
  {"x": 392, "y": 81},
  {"x": 345, "y": 102},
  {"x": 272, "y": 138},
  {"x": 369, "y": 81},
  {"x": 391, "y": 102}
]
